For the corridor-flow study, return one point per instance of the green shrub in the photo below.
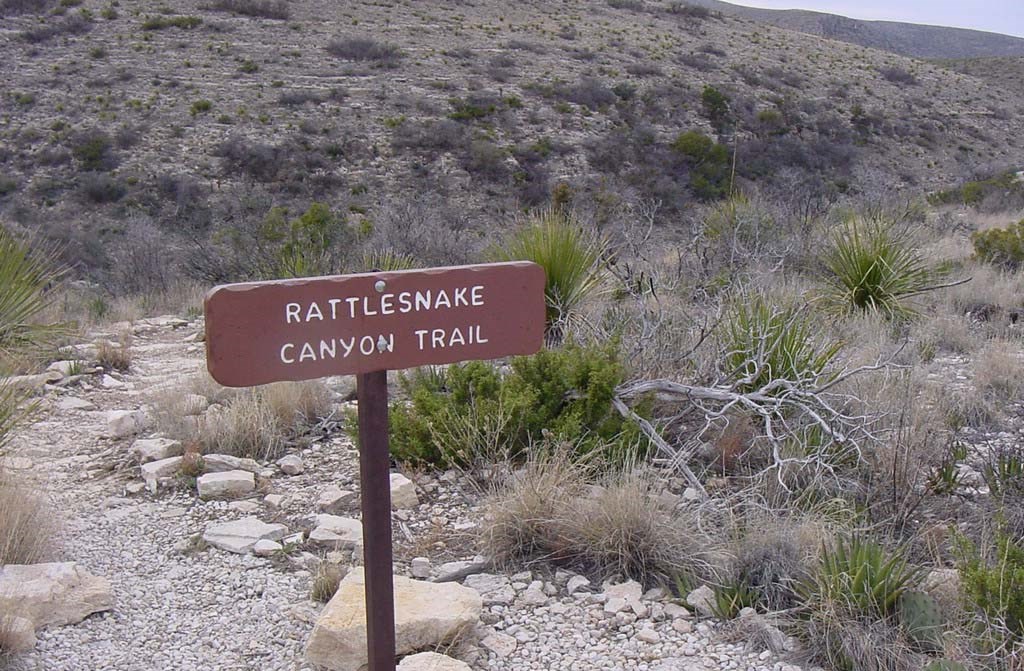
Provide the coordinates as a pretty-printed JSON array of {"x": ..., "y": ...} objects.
[
  {"x": 873, "y": 267},
  {"x": 94, "y": 151},
  {"x": 472, "y": 412},
  {"x": 572, "y": 259},
  {"x": 993, "y": 584},
  {"x": 201, "y": 107},
  {"x": 161, "y": 22},
  {"x": 716, "y": 108},
  {"x": 708, "y": 161},
  {"x": 765, "y": 343},
  {"x": 1001, "y": 246}
]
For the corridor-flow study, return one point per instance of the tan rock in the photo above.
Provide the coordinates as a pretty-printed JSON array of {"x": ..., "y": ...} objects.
[
  {"x": 52, "y": 594},
  {"x": 426, "y": 615},
  {"x": 432, "y": 661}
]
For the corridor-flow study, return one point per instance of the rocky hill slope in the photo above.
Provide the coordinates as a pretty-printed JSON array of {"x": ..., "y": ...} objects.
[
  {"x": 154, "y": 140},
  {"x": 907, "y": 39}
]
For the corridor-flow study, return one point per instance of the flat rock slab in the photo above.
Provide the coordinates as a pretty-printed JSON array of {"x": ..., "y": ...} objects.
[
  {"x": 123, "y": 423},
  {"x": 225, "y": 484},
  {"x": 217, "y": 463},
  {"x": 155, "y": 449},
  {"x": 426, "y": 615},
  {"x": 241, "y": 536},
  {"x": 336, "y": 532},
  {"x": 432, "y": 661},
  {"x": 74, "y": 403},
  {"x": 58, "y": 593}
]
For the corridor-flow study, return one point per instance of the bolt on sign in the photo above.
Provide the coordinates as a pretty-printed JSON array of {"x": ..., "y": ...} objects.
[{"x": 367, "y": 324}]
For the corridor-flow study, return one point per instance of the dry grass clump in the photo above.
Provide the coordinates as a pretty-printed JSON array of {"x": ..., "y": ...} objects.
[
  {"x": 257, "y": 423},
  {"x": 26, "y": 524},
  {"x": 997, "y": 371},
  {"x": 326, "y": 580},
  {"x": 115, "y": 356},
  {"x": 613, "y": 524}
]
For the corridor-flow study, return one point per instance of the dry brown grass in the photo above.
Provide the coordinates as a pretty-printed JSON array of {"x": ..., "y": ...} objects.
[
  {"x": 611, "y": 524},
  {"x": 26, "y": 523},
  {"x": 998, "y": 371},
  {"x": 115, "y": 356},
  {"x": 257, "y": 423},
  {"x": 326, "y": 580}
]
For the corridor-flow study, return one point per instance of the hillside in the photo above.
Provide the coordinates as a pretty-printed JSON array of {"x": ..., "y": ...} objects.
[
  {"x": 154, "y": 142},
  {"x": 907, "y": 39}
]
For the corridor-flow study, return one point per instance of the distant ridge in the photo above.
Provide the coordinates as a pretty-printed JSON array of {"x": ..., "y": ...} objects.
[{"x": 907, "y": 39}]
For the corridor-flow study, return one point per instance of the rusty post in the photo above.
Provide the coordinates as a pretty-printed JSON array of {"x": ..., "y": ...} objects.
[{"x": 375, "y": 494}]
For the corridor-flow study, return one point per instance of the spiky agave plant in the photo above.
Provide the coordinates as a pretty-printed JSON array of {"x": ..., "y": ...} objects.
[
  {"x": 573, "y": 260},
  {"x": 872, "y": 266}
]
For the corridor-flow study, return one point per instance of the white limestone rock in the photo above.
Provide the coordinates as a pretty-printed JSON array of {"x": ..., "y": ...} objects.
[
  {"x": 124, "y": 423},
  {"x": 225, "y": 484},
  {"x": 335, "y": 500},
  {"x": 241, "y": 536},
  {"x": 403, "y": 493},
  {"x": 427, "y": 615},
  {"x": 291, "y": 464},
  {"x": 337, "y": 533},
  {"x": 58, "y": 593},
  {"x": 218, "y": 463},
  {"x": 155, "y": 449},
  {"x": 432, "y": 661}
]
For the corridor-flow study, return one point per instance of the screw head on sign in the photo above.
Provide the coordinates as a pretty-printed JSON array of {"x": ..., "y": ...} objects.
[
  {"x": 383, "y": 345},
  {"x": 380, "y": 285}
]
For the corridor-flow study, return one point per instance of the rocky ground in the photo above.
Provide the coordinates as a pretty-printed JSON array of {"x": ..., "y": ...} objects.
[{"x": 181, "y": 602}]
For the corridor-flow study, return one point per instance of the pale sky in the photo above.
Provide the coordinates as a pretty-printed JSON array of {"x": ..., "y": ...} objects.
[{"x": 998, "y": 16}]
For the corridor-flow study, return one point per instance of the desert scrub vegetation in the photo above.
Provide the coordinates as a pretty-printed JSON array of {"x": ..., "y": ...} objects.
[
  {"x": 1003, "y": 247},
  {"x": 366, "y": 50},
  {"x": 258, "y": 423},
  {"x": 476, "y": 413},
  {"x": 264, "y": 9}
]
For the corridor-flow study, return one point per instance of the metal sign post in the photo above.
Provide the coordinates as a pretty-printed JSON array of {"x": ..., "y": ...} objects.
[{"x": 367, "y": 324}]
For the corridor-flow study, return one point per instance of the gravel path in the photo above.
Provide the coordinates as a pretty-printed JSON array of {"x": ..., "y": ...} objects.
[{"x": 179, "y": 605}]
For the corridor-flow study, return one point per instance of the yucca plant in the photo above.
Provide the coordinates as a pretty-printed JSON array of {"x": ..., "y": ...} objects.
[
  {"x": 27, "y": 275},
  {"x": 385, "y": 260},
  {"x": 864, "y": 576},
  {"x": 572, "y": 258},
  {"x": 765, "y": 343},
  {"x": 871, "y": 266}
]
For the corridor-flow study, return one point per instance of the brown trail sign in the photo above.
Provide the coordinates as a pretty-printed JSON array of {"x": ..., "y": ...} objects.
[{"x": 367, "y": 324}]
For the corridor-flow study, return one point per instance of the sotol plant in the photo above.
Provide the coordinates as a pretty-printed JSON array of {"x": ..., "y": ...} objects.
[
  {"x": 572, "y": 258},
  {"x": 872, "y": 266}
]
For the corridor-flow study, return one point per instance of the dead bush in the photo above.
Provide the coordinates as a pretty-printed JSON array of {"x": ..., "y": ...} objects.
[
  {"x": 26, "y": 523},
  {"x": 326, "y": 580},
  {"x": 997, "y": 371}
]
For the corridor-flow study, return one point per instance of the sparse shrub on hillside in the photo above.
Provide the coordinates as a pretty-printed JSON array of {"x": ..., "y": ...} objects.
[
  {"x": 487, "y": 161},
  {"x": 709, "y": 164},
  {"x": 898, "y": 75},
  {"x": 264, "y": 9},
  {"x": 1003, "y": 247},
  {"x": 315, "y": 243},
  {"x": 101, "y": 188},
  {"x": 715, "y": 105},
  {"x": 873, "y": 266},
  {"x": 688, "y": 11},
  {"x": 75, "y": 24},
  {"x": 15, "y": 7},
  {"x": 591, "y": 93},
  {"x": 571, "y": 257},
  {"x": 431, "y": 135},
  {"x": 200, "y": 107},
  {"x": 162, "y": 22},
  {"x": 472, "y": 413},
  {"x": 94, "y": 150},
  {"x": 631, "y": 5},
  {"x": 366, "y": 50},
  {"x": 296, "y": 98}
]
